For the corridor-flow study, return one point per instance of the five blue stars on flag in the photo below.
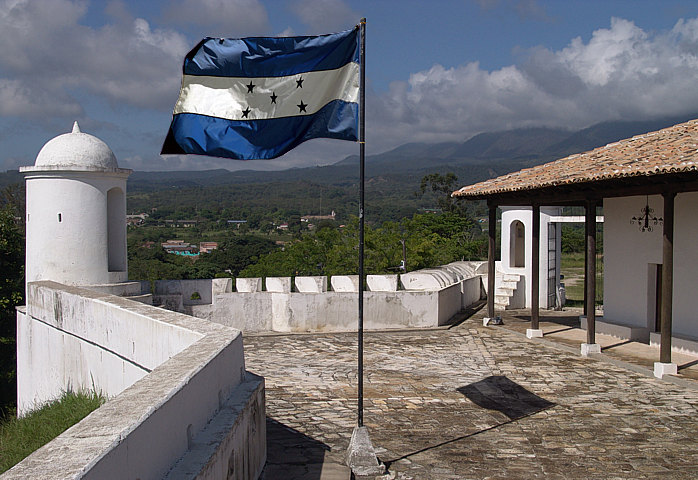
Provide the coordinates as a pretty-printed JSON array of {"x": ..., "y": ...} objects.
[{"x": 258, "y": 98}]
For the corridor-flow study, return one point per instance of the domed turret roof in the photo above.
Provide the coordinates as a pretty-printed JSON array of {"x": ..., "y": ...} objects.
[{"x": 76, "y": 150}]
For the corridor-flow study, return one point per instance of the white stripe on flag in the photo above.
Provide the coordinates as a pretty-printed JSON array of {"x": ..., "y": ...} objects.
[{"x": 229, "y": 97}]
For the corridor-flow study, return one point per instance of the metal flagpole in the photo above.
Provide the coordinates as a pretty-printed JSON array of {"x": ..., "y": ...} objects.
[
  {"x": 362, "y": 151},
  {"x": 361, "y": 457}
]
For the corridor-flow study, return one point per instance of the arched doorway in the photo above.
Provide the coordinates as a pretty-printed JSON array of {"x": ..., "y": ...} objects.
[
  {"x": 116, "y": 230},
  {"x": 517, "y": 244}
]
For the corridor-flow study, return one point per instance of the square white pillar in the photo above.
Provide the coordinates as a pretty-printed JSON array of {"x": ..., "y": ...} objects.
[
  {"x": 589, "y": 348},
  {"x": 661, "y": 369},
  {"x": 534, "y": 333}
]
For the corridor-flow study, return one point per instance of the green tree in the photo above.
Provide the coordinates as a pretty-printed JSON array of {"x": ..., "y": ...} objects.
[
  {"x": 443, "y": 186},
  {"x": 11, "y": 295},
  {"x": 234, "y": 254}
]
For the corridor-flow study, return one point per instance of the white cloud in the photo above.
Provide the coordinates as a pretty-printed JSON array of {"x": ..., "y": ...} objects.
[
  {"x": 622, "y": 72},
  {"x": 50, "y": 53},
  {"x": 325, "y": 16},
  {"x": 20, "y": 99},
  {"x": 220, "y": 18}
]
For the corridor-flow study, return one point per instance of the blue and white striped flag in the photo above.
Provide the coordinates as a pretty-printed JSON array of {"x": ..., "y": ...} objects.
[{"x": 258, "y": 98}]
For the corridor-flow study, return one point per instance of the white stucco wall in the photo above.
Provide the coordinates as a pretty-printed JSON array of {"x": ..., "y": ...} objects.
[
  {"x": 629, "y": 253},
  {"x": 685, "y": 314},
  {"x": 70, "y": 339},
  {"x": 431, "y": 298},
  {"x": 472, "y": 290},
  {"x": 197, "y": 414},
  {"x": 332, "y": 311},
  {"x": 68, "y": 237},
  {"x": 524, "y": 215}
]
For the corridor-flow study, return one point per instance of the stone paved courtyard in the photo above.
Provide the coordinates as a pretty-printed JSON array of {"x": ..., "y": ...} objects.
[{"x": 469, "y": 402}]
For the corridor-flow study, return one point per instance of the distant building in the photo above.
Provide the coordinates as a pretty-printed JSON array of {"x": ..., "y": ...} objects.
[
  {"x": 283, "y": 226},
  {"x": 207, "y": 247},
  {"x": 138, "y": 219},
  {"x": 237, "y": 223},
  {"x": 307, "y": 218},
  {"x": 180, "y": 247}
]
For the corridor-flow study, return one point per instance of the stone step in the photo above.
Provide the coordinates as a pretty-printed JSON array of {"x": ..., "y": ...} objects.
[
  {"x": 510, "y": 277},
  {"x": 505, "y": 287},
  {"x": 502, "y": 299},
  {"x": 504, "y": 292}
]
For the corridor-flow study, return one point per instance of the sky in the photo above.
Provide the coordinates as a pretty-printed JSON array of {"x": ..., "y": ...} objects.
[{"x": 437, "y": 70}]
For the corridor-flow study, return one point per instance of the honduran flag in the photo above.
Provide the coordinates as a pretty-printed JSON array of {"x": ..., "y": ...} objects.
[{"x": 258, "y": 98}]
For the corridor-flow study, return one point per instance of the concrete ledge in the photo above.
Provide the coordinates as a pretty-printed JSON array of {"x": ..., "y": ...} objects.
[
  {"x": 311, "y": 284},
  {"x": 382, "y": 283},
  {"x": 345, "y": 283},
  {"x": 278, "y": 284},
  {"x": 626, "y": 332},
  {"x": 678, "y": 344},
  {"x": 239, "y": 426},
  {"x": 248, "y": 285},
  {"x": 221, "y": 285},
  {"x": 124, "y": 289}
]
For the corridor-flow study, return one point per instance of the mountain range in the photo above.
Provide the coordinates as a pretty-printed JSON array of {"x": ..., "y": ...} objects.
[{"x": 483, "y": 156}]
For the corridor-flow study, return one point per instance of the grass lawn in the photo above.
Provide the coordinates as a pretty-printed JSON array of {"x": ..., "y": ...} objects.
[
  {"x": 21, "y": 436},
  {"x": 572, "y": 267}
]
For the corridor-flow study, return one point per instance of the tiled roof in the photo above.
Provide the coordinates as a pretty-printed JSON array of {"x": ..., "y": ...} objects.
[{"x": 671, "y": 150}]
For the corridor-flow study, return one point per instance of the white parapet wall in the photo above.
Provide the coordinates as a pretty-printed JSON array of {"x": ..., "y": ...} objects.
[
  {"x": 181, "y": 403},
  {"x": 431, "y": 298},
  {"x": 329, "y": 311}
]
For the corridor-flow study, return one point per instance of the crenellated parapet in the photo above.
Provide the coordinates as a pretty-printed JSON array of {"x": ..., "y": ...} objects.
[{"x": 423, "y": 298}]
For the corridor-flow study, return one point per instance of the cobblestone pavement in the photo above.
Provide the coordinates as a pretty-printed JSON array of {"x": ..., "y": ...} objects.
[{"x": 469, "y": 402}]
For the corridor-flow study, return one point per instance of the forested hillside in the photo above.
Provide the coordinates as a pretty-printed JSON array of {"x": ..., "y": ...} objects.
[{"x": 257, "y": 217}]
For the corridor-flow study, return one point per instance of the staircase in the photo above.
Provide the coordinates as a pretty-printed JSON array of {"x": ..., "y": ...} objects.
[{"x": 507, "y": 294}]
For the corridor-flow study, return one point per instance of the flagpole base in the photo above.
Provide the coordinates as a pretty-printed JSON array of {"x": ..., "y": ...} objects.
[{"x": 361, "y": 457}]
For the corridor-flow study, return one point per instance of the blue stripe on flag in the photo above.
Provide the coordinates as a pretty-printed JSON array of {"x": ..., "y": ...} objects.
[
  {"x": 272, "y": 56},
  {"x": 259, "y": 139}
]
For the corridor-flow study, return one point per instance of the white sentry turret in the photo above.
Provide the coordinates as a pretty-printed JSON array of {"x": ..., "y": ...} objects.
[{"x": 76, "y": 212}]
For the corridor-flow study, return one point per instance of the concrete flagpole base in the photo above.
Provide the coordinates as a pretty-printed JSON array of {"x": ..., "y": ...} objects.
[
  {"x": 589, "y": 348},
  {"x": 361, "y": 457},
  {"x": 534, "y": 333},
  {"x": 661, "y": 369}
]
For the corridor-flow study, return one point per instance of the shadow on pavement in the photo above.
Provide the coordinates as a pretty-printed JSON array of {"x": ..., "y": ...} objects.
[
  {"x": 493, "y": 393},
  {"x": 293, "y": 455},
  {"x": 501, "y": 394},
  {"x": 566, "y": 320}
]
